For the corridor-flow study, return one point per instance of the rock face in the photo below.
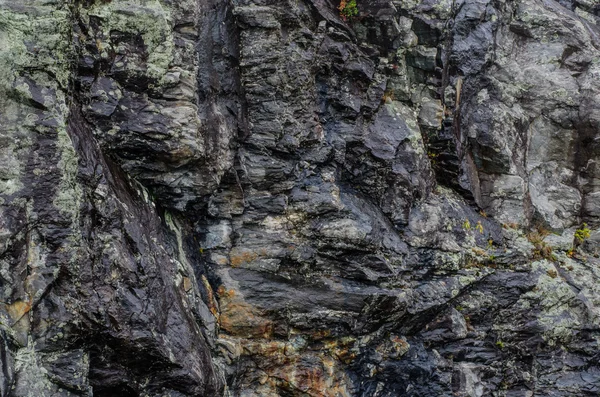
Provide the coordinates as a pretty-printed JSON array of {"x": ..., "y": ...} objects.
[{"x": 267, "y": 198}]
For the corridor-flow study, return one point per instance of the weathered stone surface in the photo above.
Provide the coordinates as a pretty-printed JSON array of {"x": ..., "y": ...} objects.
[{"x": 266, "y": 198}]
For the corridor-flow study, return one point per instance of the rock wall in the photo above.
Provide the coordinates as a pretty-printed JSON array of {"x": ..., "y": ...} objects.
[{"x": 269, "y": 198}]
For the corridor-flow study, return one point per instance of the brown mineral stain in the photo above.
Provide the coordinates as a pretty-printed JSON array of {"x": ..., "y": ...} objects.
[
  {"x": 212, "y": 303},
  {"x": 399, "y": 345},
  {"x": 300, "y": 370},
  {"x": 239, "y": 318},
  {"x": 18, "y": 309},
  {"x": 395, "y": 348},
  {"x": 343, "y": 349},
  {"x": 316, "y": 376},
  {"x": 321, "y": 334},
  {"x": 242, "y": 319},
  {"x": 275, "y": 350},
  {"x": 187, "y": 284},
  {"x": 244, "y": 257},
  {"x": 223, "y": 292}
]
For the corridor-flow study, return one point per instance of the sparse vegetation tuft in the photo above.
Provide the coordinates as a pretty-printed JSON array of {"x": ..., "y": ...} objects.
[
  {"x": 582, "y": 233},
  {"x": 388, "y": 96},
  {"x": 348, "y": 9},
  {"x": 479, "y": 227},
  {"x": 467, "y": 225},
  {"x": 541, "y": 249}
]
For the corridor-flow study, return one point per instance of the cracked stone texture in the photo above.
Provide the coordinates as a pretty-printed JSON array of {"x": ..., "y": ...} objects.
[{"x": 252, "y": 198}]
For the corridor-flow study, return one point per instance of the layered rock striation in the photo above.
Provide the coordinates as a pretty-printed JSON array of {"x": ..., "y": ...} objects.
[{"x": 278, "y": 198}]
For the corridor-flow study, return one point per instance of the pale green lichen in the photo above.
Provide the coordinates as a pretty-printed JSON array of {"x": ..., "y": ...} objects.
[
  {"x": 147, "y": 18},
  {"x": 31, "y": 379},
  {"x": 414, "y": 139},
  {"x": 41, "y": 39},
  {"x": 444, "y": 8},
  {"x": 183, "y": 265},
  {"x": 69, "y": 193},
  {"x": 585, "y": 15},
  {"x": 409, "y": 4},
  {"x": 10, "y": 169},
  {"x": 553, "y": 296}
]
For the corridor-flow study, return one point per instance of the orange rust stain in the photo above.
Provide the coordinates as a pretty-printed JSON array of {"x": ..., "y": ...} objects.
[
  {"x": 244, "y": 320},
  {"x": 345, "y": 355},
  {"x": 238, "y": 318},
  {"x": 18, "y": 309},
  {"x": 317, "y": 377},
  {"x": 212, "y": 302},
  {"x": 274, "y": 350},
  {"x": 301, "y": 370},
  {"x": 342, "y": 349},
  {"x": 244, "y": 257},
  {"x": 224, "y": 293},
  {"x": 309, "y": 379}
]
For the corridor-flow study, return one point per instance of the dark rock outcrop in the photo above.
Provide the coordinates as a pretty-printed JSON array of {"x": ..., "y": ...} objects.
[{"x": 266, "y": 198}]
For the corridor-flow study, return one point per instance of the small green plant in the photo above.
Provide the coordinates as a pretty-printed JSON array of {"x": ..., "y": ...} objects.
[
  {"x": 582, "y": 234},
  {"x": 348, "y": 9},
  {"x": 479, "y": 227},
  {"x": 490, "y": 243},
  {"x": 467, "y": 225},
  {"x": 536, "y": 237},
  {"x": 433, "y": 158},
  {"x": 500, "y": 344}
]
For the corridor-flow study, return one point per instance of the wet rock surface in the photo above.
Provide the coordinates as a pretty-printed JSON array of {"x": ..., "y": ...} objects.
[{"x": 266, "y": 198}]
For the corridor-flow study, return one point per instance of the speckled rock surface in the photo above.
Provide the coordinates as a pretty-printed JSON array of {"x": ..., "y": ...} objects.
[{"x": 252, "y": 198}]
